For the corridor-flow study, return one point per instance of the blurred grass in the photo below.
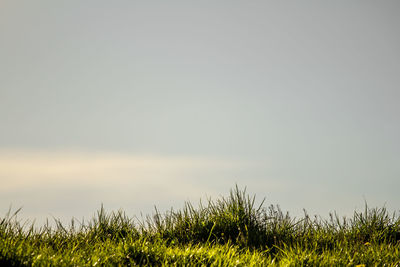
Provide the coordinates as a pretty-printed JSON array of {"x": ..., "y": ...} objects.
[{"x": 231, "y": 231}]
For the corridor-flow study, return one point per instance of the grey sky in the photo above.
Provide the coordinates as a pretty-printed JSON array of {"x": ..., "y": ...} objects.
[{"x": 309, "y": 90}]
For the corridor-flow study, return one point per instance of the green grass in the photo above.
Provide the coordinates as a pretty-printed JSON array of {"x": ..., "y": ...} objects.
[{"x": 231, "y": 231}]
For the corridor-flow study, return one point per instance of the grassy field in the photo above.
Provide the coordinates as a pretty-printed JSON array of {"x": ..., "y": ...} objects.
[{"x": 231, "y": 231}]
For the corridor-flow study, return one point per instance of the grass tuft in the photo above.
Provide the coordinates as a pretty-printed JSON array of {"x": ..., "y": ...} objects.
[{"x": 230, "y": 231}]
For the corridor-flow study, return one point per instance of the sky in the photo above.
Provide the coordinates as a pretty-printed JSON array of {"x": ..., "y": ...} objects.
[{"x": 140, "y": 103}]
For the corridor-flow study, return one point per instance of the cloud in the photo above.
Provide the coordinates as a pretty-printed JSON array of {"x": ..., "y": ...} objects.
[{"x": 30, "y": 168}]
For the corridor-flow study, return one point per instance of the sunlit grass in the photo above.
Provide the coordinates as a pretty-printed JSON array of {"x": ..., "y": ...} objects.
[{"x": 230, "y": 231}]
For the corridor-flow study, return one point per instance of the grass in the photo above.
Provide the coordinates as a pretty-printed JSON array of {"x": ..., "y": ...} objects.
[{"x": 231, "y": 231}]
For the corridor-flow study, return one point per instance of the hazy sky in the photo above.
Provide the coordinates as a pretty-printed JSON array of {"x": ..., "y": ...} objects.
[{"x": 298, "y": 100}]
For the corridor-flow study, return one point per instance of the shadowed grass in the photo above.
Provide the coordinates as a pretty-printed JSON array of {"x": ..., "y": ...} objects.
[{"x": 230, "y": 231}]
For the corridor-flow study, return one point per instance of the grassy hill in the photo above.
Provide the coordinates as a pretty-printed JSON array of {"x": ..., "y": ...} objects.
[{"x": 231, "y": 231}]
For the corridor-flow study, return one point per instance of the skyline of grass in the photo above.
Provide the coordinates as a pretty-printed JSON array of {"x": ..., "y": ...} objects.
[{"x": 230, "y": 231}]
